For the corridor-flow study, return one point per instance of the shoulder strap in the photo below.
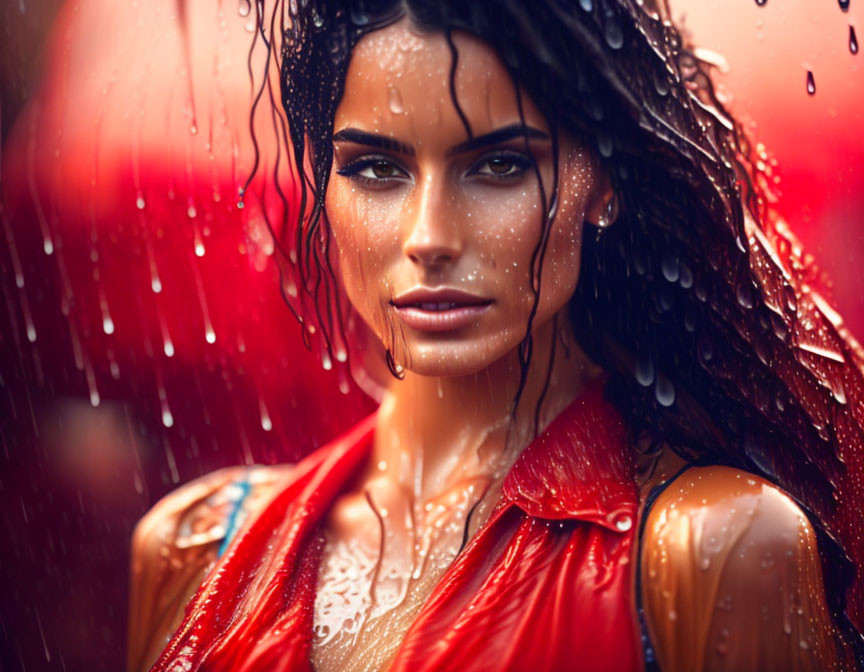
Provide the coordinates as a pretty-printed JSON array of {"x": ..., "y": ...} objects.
[{"x": 651, "y": 664}]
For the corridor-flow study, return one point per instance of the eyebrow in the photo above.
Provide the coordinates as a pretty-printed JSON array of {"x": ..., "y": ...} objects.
[{"x": 358, "y": 137}]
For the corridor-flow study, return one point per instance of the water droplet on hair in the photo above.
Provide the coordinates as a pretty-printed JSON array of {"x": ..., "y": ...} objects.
[
  {"x": 839, "y": 391},
  {"x": 614, "y": 36},
  {"x": 644, "y": 371},
  {"x": 686, "y": 280},
  {"x": 704, "y": 350},
  {"x": 358, "y": 16},
  {"x": 671, "y": 269},
  {"x": 604, "y": 145},
  {"x": 811, "y": 83},
  {"x": 744, "y": 294},
  {"x": 664, "y": 391}
]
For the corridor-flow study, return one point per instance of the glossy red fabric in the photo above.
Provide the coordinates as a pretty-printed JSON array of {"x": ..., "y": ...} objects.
[{"x": 546, "y": 584}]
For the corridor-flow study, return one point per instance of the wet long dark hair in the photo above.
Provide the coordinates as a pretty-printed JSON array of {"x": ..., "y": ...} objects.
[{"x": 698, "y": 301}]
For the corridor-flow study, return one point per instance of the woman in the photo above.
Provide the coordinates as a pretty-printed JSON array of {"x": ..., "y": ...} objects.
[{"x": 608, "y": 380}]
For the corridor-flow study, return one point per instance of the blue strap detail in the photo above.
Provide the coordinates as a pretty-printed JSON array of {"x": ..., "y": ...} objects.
[
  {"x": 651, "y": 664},
  {"x": 233, "y": 523}
]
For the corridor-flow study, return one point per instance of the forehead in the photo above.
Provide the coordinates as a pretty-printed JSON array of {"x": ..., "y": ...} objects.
[{"x": 398, "y": 84}]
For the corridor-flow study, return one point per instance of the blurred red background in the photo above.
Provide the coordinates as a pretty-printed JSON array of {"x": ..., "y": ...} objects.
[{"x": 144, "y": 337}]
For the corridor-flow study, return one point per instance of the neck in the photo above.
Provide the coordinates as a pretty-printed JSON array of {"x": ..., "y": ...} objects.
[{"x": 431, "y": 431}]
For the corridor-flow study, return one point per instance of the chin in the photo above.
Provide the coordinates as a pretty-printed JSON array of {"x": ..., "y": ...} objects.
[{"x": 452, "y": 360}]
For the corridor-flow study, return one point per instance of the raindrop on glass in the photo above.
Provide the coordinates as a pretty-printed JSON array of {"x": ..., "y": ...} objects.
[{"x": 811, "y": 83}]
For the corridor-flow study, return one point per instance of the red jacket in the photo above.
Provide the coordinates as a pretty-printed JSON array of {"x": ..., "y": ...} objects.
[{"x": 546, "y": 584}]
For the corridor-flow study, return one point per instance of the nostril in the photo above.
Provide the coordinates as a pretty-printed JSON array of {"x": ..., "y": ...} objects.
[{"x": 431, "y": 258}]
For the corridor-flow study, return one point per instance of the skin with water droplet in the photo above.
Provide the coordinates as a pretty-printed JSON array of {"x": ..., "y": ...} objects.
[{"x": 442, "y": 218}]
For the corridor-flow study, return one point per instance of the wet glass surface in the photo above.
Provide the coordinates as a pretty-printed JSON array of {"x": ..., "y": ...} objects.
[{"x": 144, "y": 336}]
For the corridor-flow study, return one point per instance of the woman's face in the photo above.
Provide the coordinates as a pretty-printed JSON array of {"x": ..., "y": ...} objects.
[{"x": 434, "y": 229}]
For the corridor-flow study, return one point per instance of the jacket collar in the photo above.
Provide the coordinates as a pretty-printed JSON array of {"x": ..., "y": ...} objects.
[{"x": 580, "y": 467}]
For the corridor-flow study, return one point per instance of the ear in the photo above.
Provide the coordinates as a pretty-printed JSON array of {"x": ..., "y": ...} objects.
[{"x": 602, "y": 208}]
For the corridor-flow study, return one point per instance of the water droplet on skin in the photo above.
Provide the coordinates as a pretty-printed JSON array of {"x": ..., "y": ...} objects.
[
  {"x": 761, "y": 3},
  {"x": 844, "y": 5},
  {"x": 853, "y": 40},
  {"x": 811, "y": 83},
  {"x": 396, "y": 106}
]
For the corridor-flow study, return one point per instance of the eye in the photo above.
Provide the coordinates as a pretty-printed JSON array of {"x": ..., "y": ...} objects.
[
  {"x": 504, "y": 166},
  {"x": 373, "y": 170}
]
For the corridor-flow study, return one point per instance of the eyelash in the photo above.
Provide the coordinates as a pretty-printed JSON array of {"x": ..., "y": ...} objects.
[{"x": 520, "y": 162}]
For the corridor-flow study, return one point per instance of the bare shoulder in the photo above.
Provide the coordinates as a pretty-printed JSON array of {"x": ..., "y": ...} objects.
[
  {"x": 176, "y": 543},
  {"x": 732, "y": 578}
]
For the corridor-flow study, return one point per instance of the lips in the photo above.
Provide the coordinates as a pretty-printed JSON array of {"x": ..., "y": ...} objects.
[{"x": 439, "y": 309}]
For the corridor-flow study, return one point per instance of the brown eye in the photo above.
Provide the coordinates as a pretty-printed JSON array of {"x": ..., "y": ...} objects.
[
  {"x": 383, "y": 169},
  {"x": 500, "y": 165},
  {"x": 508, "y": 166}
]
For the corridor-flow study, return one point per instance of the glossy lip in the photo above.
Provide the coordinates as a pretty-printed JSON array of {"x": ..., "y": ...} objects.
[{"x": 439, "y": 309}]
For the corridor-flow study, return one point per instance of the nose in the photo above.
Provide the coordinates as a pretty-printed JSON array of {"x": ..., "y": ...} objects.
[{"x": 434, "y": 236}]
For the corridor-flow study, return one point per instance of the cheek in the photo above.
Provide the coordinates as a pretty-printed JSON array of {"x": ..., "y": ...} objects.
[{"x": 363, "y": 236}]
